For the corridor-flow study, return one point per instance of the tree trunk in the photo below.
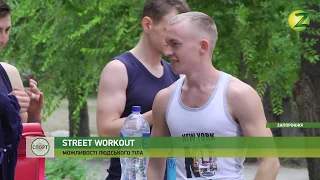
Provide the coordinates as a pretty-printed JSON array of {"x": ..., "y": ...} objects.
[
  {"x": 242, "y": 69},
  {"x": 289, "y": 116},
  {"x": 79, "y": 129},
  {"x": 306, "y": 93},
  {"x": 307, "y": 96},
  {"x": 268, "y": 111}
]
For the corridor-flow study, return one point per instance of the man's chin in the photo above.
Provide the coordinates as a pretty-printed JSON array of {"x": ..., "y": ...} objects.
[{"x": 175, "y": 70}]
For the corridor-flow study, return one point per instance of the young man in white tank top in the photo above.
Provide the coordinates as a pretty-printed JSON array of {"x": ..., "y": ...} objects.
[{"x": 205, "y": 101}]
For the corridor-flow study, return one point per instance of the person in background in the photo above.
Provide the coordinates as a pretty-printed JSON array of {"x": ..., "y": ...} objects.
[
  {"x": 10, "y": 133},
  {"x": 17, "y": 105},
  {"x": 30, "y": 101},
  {"x": 141, "y": 73}
]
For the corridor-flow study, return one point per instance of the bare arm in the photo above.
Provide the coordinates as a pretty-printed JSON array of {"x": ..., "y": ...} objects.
[
  {"x": 156, "y": 166},
  {"x": 16, "y": 83},
  {"x": 247, "y": 107},
  {"x": 112, "y": 99}
]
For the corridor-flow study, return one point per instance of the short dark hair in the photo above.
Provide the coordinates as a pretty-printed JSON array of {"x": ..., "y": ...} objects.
[
  {"x": 156, "y": 9},
  {"x": 4, "y": 9}
]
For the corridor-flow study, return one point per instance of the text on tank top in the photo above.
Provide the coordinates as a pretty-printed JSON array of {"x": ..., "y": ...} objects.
[
  {"x": 210, "y": 120},
  {"x": 141, "y": 91}
]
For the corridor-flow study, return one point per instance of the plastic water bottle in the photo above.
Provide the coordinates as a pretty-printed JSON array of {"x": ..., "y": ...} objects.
[{"x": 134, "y": 126}]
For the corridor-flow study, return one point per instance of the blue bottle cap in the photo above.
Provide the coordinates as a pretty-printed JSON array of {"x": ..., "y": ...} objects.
[{"x": 136, "y": 108}]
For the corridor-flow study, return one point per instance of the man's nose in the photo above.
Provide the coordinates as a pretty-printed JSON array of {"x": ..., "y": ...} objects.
[
  {"x": 167, "y": 50},
  {"x": 3, "y": 38}
]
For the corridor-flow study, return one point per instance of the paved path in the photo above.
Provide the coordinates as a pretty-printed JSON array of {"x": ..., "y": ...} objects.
[{"x": 250, "y": 171}]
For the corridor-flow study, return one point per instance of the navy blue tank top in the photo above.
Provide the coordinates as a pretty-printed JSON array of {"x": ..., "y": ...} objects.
[
  {"x": 5, "y": 85},
  {"x": 141, "y": 91}
]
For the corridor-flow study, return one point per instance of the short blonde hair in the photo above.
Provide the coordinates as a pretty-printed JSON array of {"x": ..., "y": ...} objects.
[{"x": 200, "y": 20}]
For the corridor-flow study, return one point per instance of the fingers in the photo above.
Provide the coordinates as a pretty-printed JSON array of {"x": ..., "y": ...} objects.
[
  {"x": 33, "y": 92},
  {"x": 33, "y": 81},
  {"x": 41, "y": 97},
  {"x": 23, "y": 99},
  {"x": 33, "y": 86},
  {"x": 33, "y": 96}
]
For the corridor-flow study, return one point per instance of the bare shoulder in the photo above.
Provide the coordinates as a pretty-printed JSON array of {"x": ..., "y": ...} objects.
[
  {"x": 159, "y": 109},
  {"x": 10, "y": 69},
  {"x": 238, "y": 88},
  {"x": 163, "y": 96},
  {"x": 115, "y": 66},
  {"x": 241, "y": 97},
  {"x": 114, "y": 74},
  {"x": 14, "y": 75}
]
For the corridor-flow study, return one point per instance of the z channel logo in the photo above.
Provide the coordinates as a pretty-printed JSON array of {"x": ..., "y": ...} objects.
[{"x": 298, "y": 20}]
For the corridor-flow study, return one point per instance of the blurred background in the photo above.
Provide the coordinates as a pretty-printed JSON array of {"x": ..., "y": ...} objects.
[{"x": 64, "y": 45}]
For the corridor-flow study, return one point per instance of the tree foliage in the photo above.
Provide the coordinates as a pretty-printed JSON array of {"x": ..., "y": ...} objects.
[
  {"x": 67, "y": 43},
  {"x": 257, "y": 33}
]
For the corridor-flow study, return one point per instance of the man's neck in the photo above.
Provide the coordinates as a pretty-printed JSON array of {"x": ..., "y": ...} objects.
[
  {"x": 208, "y": 76},
  {"x": 146, "y": 53}
]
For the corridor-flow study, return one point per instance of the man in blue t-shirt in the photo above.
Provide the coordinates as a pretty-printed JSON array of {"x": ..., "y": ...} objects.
[{"x": 140, "y": 74}]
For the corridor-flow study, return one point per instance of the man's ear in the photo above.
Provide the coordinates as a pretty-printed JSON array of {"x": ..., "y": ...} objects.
[
  {"x": 204, "y": 46},
  {"x": 146, "y": 24}
]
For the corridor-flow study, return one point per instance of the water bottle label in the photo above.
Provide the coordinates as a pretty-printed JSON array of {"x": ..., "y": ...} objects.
[
  {"x": 145, "y": 134},
  {"x": 171, "y": 169}
]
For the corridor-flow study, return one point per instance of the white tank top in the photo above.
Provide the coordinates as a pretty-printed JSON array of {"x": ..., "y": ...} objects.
[{"x": 212, "y": 119}]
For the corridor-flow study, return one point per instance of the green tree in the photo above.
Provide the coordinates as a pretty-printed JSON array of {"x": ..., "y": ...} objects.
[
  {"x": 306, "y": 90},
  {"x": 66, "y": 44}
]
